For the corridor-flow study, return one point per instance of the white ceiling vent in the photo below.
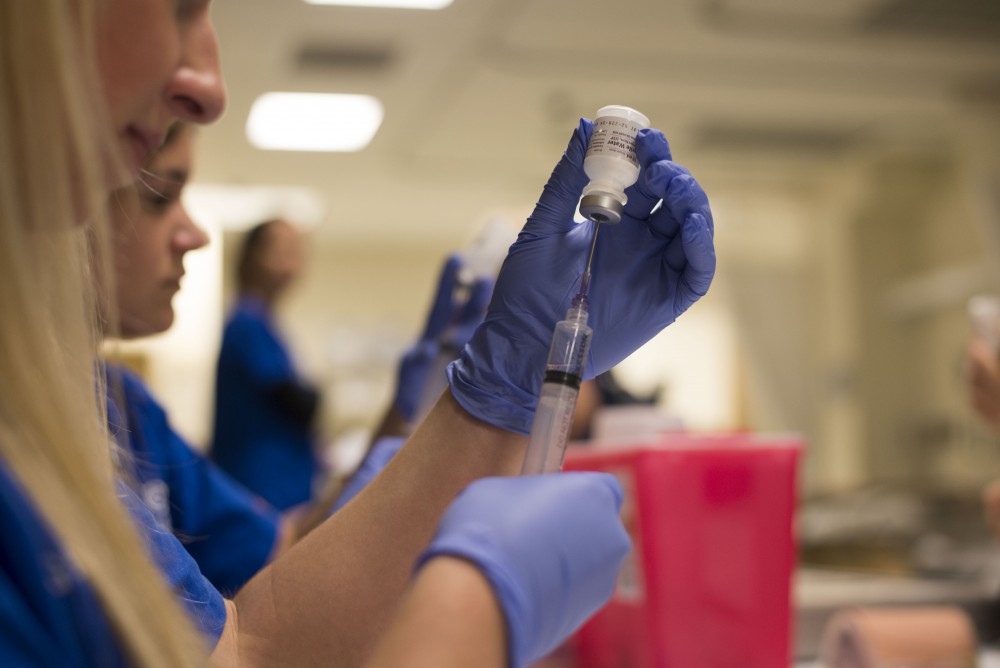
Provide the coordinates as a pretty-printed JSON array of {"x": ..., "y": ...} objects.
[
  {"x": 803, "y": 19},
  {"x": 365, "y": 58},
  {"x": 740, "y": 137}
]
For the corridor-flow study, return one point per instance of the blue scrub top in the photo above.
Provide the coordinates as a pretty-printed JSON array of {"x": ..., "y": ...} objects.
[
  {"x": 229, "y": 531},
  {"x": 50, "y": 616},
  {"x": 257, "y": 440}
]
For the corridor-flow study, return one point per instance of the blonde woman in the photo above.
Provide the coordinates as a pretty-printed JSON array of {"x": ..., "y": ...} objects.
[
  {"x": 73, "y": 115},
  {"x": 509, "y": 566}
]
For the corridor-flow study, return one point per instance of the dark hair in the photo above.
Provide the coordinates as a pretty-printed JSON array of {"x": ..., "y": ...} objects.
[
  {"x": 613, "y": 394},
  {"x": 254, "y": 241}
]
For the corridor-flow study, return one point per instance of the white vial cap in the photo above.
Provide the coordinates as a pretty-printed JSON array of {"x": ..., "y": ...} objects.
[{"x": 620, "y": 111}]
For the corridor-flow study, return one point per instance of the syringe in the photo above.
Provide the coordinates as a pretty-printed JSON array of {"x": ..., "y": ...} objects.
[
  {"x": 561, "y": 385},
  {"x": 612, "y": 165}
]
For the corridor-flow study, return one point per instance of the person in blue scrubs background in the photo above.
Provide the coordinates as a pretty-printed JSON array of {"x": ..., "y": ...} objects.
[{"x": 265, "y": 411}]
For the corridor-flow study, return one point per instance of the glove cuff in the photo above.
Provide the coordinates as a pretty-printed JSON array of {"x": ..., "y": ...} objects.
[
  {"x": 486, "y": 395},
  {"x": 476, "y": 546}
]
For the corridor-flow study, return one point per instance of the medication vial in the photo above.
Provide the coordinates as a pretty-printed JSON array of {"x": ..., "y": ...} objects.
[{"x": 610, "y": 163}]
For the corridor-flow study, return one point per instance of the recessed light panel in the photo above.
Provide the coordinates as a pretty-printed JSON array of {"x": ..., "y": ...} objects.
[
  {"x": 313, "y": 121},
  {"x": 390, "y": 4}
]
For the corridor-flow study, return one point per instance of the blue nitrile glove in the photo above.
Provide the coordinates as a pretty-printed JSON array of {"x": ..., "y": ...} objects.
[
  {"x": 443, "y": 307},
  {"x": 469, "y": 317},
  {"x": 417, "y": 361},
  {"x": 550, "y": 547},
  {"x": 376, "y": 459},
  {"x": 647, "y": 270},
  {"x": 449, "y": 326}
]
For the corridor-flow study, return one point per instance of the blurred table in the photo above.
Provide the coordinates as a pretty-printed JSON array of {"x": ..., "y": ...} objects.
[
  {"x": 820, "y": 593},
  {"x": 988, "y": 658}
]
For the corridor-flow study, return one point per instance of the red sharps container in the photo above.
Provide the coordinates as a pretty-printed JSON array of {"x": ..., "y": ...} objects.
[{"x": 709, "y": 581}]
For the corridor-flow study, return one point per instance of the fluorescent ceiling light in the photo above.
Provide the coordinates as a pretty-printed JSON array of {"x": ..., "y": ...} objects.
[
  {"x": 313, "y": 121},
  {"x": 391, "y": 4}
]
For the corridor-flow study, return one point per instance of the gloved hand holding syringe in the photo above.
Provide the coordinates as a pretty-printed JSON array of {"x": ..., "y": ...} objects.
[{"x": 612, "y": 166}]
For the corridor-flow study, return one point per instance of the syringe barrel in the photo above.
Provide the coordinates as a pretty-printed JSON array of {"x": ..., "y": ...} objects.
[
  {"x": 570, "y": 345},
  {"x": 550, "y": 429},
  {"x": 554, "y": 415}
]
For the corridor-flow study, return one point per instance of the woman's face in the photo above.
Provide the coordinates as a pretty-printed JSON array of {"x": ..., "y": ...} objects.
[
  {"x": 282, "y": 258},
  {"x": 153, "y": 232},
  {"x": 158, "y": 62}
]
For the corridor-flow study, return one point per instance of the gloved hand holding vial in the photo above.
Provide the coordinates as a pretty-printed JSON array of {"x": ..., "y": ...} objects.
[{"x": 648, "y": 269}]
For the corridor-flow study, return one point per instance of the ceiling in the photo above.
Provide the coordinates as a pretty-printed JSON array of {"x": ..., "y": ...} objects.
[{"x": 481, "y": 97}]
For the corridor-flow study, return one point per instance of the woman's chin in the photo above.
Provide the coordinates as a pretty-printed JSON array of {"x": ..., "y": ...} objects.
[{"x": 135, "y": 327}]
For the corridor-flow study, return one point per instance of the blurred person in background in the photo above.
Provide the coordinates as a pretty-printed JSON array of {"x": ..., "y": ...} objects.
[
  {"x": 456, "y": 311},
  {"x": 983, "y": 384},
  {"x": 982, "y": 376},
  {"x": 983, "y": 381},
  {"x": 265, "y": 410}
]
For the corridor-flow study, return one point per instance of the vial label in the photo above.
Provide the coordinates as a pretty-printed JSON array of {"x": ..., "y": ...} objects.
[{"x": 613, "y": 135}]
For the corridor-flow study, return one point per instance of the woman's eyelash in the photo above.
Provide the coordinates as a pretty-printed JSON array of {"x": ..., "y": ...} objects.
[{"x": 156, "y": 197}]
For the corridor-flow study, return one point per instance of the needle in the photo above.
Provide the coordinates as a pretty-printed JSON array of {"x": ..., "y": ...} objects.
[{"x": 581, "y": 296}]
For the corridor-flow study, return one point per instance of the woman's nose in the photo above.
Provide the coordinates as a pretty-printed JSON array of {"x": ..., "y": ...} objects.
[
  {"x": 189, "y": 236},
  {"x": 197, "y": 92}
]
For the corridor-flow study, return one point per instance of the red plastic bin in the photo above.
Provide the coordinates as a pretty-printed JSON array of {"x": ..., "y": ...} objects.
[{"x": 708, "y": 582}]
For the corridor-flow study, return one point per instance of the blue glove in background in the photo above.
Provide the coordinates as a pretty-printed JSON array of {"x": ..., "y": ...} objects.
[
  {"x": 450, "y": 324},
  {"x": 411, "y": 376},
  {"x": 470, "y": 315},
  {"x": 376, "y": 459},
  {"x": 647, "y": 270},
  {"x": 443, "y": 306},
  {"x": 550, "y": 547}
]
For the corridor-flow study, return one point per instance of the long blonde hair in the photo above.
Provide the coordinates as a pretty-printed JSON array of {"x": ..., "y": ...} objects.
[{"x": 55, "y": 159}]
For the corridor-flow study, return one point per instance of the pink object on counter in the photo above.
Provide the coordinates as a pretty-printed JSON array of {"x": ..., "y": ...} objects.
[
  {"x": 891, "y": 637},
  {"x": 708, "y": 583}
]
